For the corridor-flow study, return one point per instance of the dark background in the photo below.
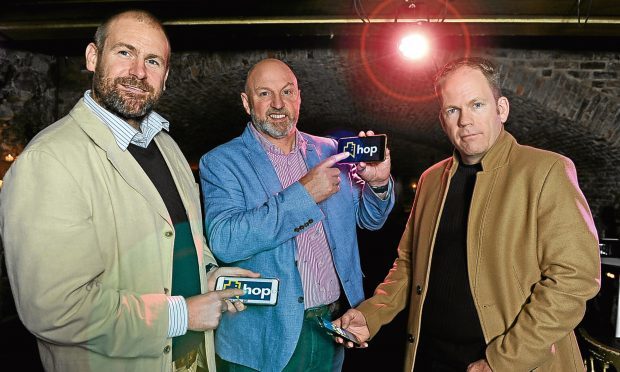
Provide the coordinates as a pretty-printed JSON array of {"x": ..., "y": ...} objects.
[{"x": 560, "y": 64}]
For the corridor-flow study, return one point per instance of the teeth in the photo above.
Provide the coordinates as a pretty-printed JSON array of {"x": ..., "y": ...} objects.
[{"x": 277, "y": 116}]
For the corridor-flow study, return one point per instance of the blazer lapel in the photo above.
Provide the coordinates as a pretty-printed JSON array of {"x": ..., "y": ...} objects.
[
  {"x": 123, "y": 161},
  {"x": 261, "y": 163},
  {"x": 492, "y": 163}
]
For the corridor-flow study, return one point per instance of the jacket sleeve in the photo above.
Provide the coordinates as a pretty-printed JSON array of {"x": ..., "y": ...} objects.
[
  {"x": 371, "y": 210},
  {"x": 55, "y": 267},
  {"x": 567, "y": 249},
  {"x": 236, "y": 232},
  {"x": 392, "y": 295}
]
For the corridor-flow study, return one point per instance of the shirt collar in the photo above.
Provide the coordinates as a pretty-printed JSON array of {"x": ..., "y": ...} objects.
[
  {"x": 124, "y": 134},
  {"x": 300, "y": 142}
]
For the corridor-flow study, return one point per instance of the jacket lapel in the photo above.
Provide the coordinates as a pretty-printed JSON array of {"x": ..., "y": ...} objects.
[
  {"x": 122, "y": 161},
  {"x": 492, "y": 163},
  {"x": 260, "y": 162}
]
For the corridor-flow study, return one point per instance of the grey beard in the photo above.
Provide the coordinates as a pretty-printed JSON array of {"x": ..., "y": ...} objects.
[
  {"x": 266, "y": 127},
  {"x": 125, "y": 106}
]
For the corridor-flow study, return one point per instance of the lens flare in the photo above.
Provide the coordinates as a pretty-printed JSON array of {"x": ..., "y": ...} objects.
[{"x": 414, "y": 46}]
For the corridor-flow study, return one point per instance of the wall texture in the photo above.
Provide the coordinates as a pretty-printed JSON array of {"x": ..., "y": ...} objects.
[{"x": 562, "y": 101}]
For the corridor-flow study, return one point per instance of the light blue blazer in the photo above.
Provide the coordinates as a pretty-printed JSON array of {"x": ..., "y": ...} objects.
[{"x": 251, "y": 222}]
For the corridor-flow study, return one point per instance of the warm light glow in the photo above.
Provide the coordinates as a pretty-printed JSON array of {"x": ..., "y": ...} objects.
[
  {"x": 9, "y": 158},
  {"x": 414, "y": 185},
  {"x": 609, "y": 275},
  {"x": 414, "y": 46}
]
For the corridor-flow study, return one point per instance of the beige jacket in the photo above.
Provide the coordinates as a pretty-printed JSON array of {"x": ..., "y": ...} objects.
[
  {"x": 532, "y": 252},
  {"x": 89, "y": 247}
]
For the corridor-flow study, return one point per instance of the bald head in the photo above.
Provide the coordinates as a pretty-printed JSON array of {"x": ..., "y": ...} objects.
[
  {"x": 268, "y": 66},
  {"x": 272, "y": 98}
]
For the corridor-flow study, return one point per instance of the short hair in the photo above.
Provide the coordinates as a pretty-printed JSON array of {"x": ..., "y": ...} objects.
[
  {"x": 140, "y": 15},
  {"x": 246, "y": 87},
  {"x": 488, "y": 69}
]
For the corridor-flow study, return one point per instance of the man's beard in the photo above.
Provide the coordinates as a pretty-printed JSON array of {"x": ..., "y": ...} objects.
[
  {"x": 275, "y": 131},
  {"x": 124, "y": 104}
]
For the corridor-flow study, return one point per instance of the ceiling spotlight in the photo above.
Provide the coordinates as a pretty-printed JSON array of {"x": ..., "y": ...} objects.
[{"x": 414, "y": 46}]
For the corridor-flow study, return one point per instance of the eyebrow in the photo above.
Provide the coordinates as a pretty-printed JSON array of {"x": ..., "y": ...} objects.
[
  {"x": 133, "y": 49},
  {"x": 285, "y": 86},
  {"x": 125, "y": 45}
]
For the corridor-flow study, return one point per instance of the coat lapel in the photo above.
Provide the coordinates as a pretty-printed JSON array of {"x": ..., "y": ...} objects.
[
  {"x": 123, "y": 161},
  {"x": 492, "y": 163},
  {"x": 260, "y": 162}
]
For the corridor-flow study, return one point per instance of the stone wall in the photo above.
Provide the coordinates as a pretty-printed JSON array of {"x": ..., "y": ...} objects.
[
  {"x": 27, "y": 99},
  {"x": 562, "y": 101}
]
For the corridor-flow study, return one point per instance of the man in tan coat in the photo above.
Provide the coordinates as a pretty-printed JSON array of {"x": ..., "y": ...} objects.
[
  {"x": 100, "y": 218},
  {"x": 500, "y": 253}
]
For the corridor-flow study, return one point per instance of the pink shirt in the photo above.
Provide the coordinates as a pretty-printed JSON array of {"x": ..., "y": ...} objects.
[{"x": 314, "y": 258}]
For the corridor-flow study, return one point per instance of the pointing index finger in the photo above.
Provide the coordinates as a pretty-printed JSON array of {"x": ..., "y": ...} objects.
[
  {"x": 329, "y": 162},
  {"x": 229, "y": 293}
]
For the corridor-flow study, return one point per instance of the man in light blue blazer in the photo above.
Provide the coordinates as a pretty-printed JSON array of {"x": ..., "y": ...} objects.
[{"x": 278, "y": 202}]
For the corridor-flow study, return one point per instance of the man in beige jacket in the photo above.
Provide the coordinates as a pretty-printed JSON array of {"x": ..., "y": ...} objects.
[
  {"x": 100, "y": 218},
  {"x": 500, "y": 253}
]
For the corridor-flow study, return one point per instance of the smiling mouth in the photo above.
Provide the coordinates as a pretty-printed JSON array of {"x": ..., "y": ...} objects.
[{"x": 277, "y": 116}]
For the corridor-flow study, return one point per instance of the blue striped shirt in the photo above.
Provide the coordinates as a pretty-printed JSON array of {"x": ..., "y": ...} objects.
[
  {"x": 124, "y": 134},
  {"x": 315, "y": 263}
]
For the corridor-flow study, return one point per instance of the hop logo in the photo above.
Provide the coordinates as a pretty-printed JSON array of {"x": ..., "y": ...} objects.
[
  {"x": 260, "y": 290},
  {"x": 355, "y": 149}
]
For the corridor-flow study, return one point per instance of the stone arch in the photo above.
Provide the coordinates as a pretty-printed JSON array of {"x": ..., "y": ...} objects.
[{"x": 563, "y": 114}]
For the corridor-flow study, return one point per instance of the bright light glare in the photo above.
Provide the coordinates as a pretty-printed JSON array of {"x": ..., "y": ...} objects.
[{"x": 414, "y": 46}]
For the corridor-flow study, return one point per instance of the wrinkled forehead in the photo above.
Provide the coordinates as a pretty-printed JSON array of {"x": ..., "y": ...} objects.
[
  {"x": 272, "y": 74},
  {"x": 139, "y": 32},
  {"x": 462, "y": 79}
]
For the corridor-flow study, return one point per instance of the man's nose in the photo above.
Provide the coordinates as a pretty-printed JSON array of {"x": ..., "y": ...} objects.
[
  {"x": 277, "y": 102},
  {"x": 465, "y": 118},
  {"x": 138, "y": 69}
]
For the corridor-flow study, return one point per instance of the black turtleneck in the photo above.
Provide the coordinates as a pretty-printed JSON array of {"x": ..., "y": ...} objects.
[{"x": 451, "y": 335}]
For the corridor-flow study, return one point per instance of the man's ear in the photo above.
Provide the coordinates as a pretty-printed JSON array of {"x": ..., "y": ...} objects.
[
  {"x": 246, "y": 103},
  {"x": 165, "y": 79},
  {"x": 503, "y": 108},
  {"x": 91, "y": 57}
]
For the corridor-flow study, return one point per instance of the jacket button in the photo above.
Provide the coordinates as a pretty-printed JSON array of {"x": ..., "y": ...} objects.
[
  {"x": 167, "y": 349},
  {"x": 168, "y": 234},
  {"x": 411, "y": 338},
  {"x": 300, "y": 299},
  {"x": 418, "y": 289},
  {"x": 296, "y": 229},
  {"x": 310, "y": 220},
  {"x": 166, "y": 291}
]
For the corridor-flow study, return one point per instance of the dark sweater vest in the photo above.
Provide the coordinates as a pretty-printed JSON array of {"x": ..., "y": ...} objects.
[
  {"x": 185, "y": 275},
  {"x": 451, "y": 336}
]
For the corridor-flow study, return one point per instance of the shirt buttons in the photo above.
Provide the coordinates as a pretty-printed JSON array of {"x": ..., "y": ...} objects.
[
  {"x": 167, "y": 349},
  {"x": 168, "y": 234}
]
